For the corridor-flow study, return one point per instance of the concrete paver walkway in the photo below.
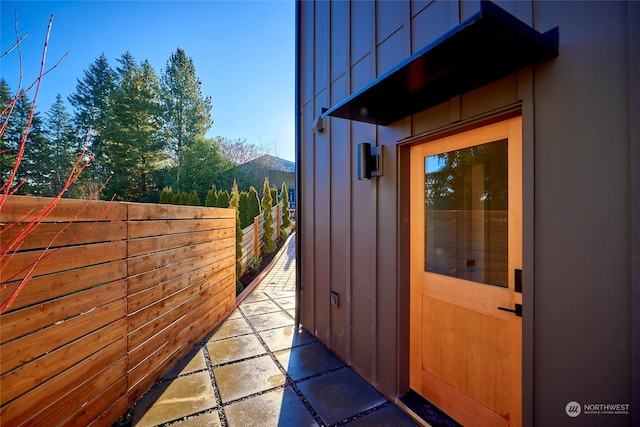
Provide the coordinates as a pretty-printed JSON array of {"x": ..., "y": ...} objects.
[{"x": 256, "y": 369}]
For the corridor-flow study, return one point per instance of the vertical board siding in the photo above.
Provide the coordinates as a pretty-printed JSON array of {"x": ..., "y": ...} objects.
[{"x": 124, "y": 291}]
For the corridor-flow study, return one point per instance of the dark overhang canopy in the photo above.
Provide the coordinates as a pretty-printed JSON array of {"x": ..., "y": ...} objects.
[{"x": 486, "y": 47}]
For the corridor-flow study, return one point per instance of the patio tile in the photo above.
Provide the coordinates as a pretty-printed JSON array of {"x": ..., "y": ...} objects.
[
  {"x": 168, "y": 401},
  {"x": 270, "y": 321},
  {"x": 282, "y": 294},
  {"x": 261, "y": 307},
  {"x": 231, "y": 328},
  {"x": 276, "y": 408},
  {"x": 255, "y": 297},
  {"x": 235, "y": 314},
  {"x": 308, "y": 360},
  {"x": 339, "y": 395},
  {"x": 247, "y": 377},
  {"x": 286, "y": 303},
  {"x": 194, "y": 361},
  {"x": 209, "y": 419},
  {"x": 284, "y": 338},
  {"x": 235, "y": 348},
  {"x": 389, "y": 416}
]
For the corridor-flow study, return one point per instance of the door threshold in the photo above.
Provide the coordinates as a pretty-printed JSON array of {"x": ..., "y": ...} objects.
[{"x": 424, "y": 412}]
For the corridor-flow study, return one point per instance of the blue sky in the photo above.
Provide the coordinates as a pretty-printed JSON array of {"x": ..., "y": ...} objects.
[{"x": 243, "y": 53}]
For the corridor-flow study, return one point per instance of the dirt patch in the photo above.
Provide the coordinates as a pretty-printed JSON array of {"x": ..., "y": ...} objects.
[{"x": 249, "y": 275}]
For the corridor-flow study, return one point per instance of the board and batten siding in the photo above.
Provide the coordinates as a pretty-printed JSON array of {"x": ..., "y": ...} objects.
[{"x": 580, "y": 193}]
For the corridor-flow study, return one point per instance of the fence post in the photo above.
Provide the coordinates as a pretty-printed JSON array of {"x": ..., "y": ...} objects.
[
  {"x": 278, "y": 221},
  {"x": 256, "y": 236}
]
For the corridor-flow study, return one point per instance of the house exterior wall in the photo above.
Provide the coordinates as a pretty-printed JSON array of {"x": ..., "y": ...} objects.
[{"x": 581, "y": 218}]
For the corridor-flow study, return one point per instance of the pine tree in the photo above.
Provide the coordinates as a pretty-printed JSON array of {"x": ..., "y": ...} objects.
[
  {"x": 212, "y": 197},
  {"x": 90, "y": 105},
  {"x": 186, "y": 114},
  {"x": 286, "y": 215},
  {"x": 131, "y": 136},
  {"x": 243, "y": 207},
  {"x": 36, "y": 151},
  {"x": 234, "y": 202},
  {"x": 268, "y": 239},
  {"x": 63, "y": 149},
  {"x": 254, "y": 205}
]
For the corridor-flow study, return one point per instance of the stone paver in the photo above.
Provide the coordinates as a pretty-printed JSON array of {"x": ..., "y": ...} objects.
[{"x": 257, "y": 369}]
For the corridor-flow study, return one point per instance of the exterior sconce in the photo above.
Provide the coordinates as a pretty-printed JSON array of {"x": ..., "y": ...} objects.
[
  {"x": 318, "y": 123},
  {"x": 369, "y": 161}
]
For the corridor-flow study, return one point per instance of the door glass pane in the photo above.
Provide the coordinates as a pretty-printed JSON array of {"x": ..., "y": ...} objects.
[{"x": 466, "y": 202}]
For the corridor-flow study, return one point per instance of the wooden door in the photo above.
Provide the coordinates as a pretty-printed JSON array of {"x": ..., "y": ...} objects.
[{"x": 466, "y": 255}]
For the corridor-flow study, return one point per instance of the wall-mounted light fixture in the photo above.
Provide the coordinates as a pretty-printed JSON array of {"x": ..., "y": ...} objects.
[
  {"x": 369, "y": 161},
  {"x": 318, "y": 122}
]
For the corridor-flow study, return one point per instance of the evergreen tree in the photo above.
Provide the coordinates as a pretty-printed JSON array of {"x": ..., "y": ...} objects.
[
  {"x": 243, "y": 207},
  {"x": 63, "y": 149},
  {"x": 10, "y": 139},
  {"x": 184, "y": 198},
  {"x": 286, "y": 215},
  {"x": 234, "y": 202},
  {"x": 32, "y": 167},
  {"x": 186, "y": 112},
  {"x": 133, "y": 150},
  {"x": 166, "y": 197},
  {"x": 194, "y": 200},
  {"x": 254, "y": 205},
  {"x": 212, "y": 197},
  {"x": 274, "y": 196},
  {"x": 90, "y": 105},
  {"x": 223, "y": 200},
  {"x": 175, "y": 198},
  {"x": 268, "y": 239},
  {"x": 202, "y": 163}
]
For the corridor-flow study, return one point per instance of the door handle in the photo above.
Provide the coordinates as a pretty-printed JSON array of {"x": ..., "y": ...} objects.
[{"x": 517, "y": 310}]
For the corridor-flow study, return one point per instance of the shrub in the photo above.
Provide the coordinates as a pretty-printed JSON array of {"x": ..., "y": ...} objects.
[
  {"x": 223, "y": 200},
  {"x": 193, "y": 199},
  {"x": 212, "y": 196},
  {"x": 235, "y": 203},
  {"x": 166, "y": 196},
  {"x": 268, "y": 239},
  {"x": 286, "y": 215},
  {"x": 254, "y": 205},
  {"x": 243, "y": 206}
]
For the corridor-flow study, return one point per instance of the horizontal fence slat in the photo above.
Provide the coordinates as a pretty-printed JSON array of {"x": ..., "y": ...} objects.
[
  {"x": 216, "y": 250},
  {"x": 74, "y": 234},
  {"x": 21, "y": 208},
  {"x": 31, "y": 347},
  {"x": 164, "y": 227},
  {"x": 159, "y": 243},
  {"x": 32, "y": 374},
  {"x": 43, "y": 400},
  {"x": 19, "y": 323},
  {"x": 44, "y": 288},
  {"x": 64, "y": 259},
  {"x": 148, "y": 211},
  {"x": 149, "y": 279}
]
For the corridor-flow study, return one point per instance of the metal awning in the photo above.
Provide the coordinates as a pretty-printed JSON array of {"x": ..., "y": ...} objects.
[{"x": 486, "y": 47}]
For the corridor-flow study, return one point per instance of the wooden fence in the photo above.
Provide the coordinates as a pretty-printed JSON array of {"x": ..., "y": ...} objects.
[
  {"x": 106, "y": 315},
  {"x": 250, "y": 244},
  {"x": 468, "y": 244}
]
